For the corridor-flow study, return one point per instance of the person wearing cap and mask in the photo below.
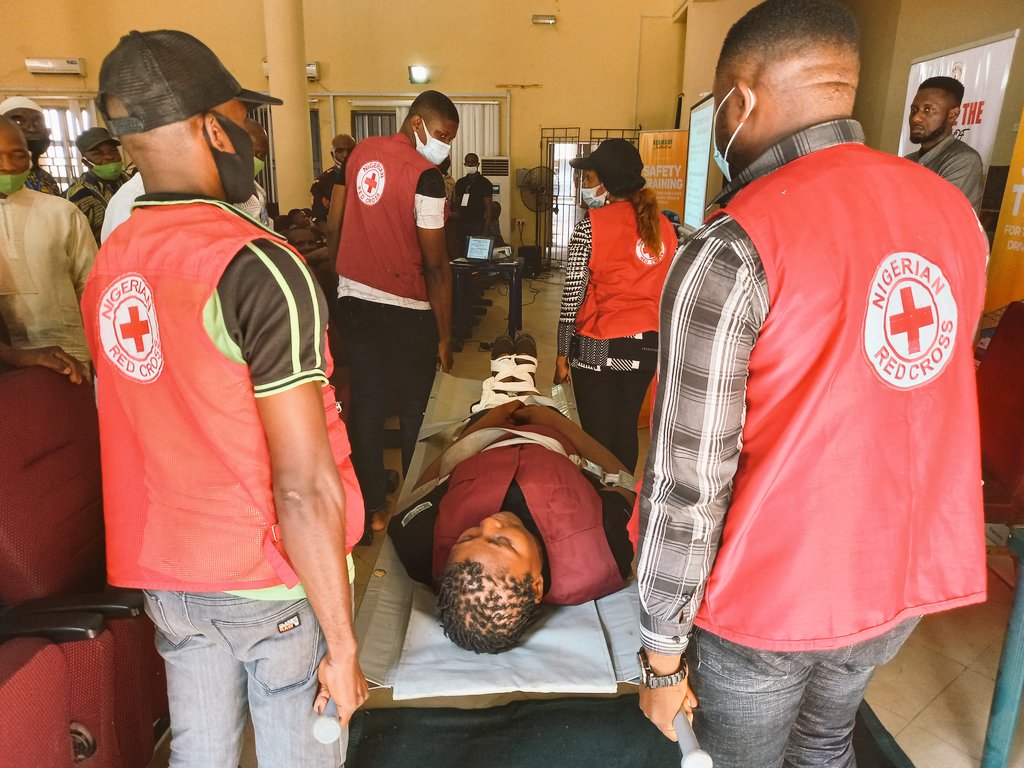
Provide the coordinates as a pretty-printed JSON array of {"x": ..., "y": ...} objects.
[
  {"x": 104, "y": 175},
  {"x": 813, "y": 485},
  {"x": 618, "y": 256},
  {"x": 46, "y": 251},
  {"x": 120, "y": 206},
  {"x": 29, "y": 117},
  {"x": 323, "y": 186},
  {"x": 394, "y": 286},
  {"x": 229, "y": 496},
  {"x": 474, "y": 199}
]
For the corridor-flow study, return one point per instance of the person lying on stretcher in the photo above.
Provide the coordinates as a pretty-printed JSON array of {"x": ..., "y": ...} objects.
[{"x": 529, "y": 509}]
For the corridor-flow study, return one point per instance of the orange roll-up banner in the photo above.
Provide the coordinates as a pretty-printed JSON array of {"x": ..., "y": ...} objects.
[
  {"x": 1006, "y": 266},
  {"x": 664, "y": 156}
]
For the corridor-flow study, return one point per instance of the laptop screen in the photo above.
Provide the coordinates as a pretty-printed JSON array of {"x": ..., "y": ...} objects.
[{"x": 479, "y": 248}]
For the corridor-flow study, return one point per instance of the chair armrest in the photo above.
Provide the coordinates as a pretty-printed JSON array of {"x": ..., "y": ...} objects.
[
  {"x": 118, "y": 604},
  {"x": 62, "y": 627}
]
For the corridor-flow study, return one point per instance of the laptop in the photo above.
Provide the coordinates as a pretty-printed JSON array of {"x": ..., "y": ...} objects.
[{"x": 479, "y": 250}]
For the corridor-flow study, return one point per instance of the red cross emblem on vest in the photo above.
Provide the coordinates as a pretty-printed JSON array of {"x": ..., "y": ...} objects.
[
  {"x": 128, "y": 328},
  {"x": 911, "y": 321},
  {"x": 136, "y": 329},
  {"x": 370, "y": 182}
]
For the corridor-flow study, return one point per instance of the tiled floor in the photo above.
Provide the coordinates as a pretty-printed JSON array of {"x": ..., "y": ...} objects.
[{"x": 934, "y": 697}]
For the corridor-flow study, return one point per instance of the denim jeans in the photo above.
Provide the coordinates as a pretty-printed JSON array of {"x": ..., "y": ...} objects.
[
  {"x": 765, "y": 709},
  {"x": 225, "y": 655},
  {"x": 391, "y": 355}
]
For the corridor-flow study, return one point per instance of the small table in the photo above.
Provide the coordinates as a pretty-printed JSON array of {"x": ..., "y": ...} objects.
[{"x": 463, "y": 272}]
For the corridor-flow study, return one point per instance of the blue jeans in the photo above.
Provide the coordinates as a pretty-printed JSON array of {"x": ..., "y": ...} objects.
[
  {"x": 765, "y": 709},
  {"x": 226, "y": 655}
]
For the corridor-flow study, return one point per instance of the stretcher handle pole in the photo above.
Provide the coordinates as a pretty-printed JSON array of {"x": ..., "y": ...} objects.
[{"x": 692, "y": 755}]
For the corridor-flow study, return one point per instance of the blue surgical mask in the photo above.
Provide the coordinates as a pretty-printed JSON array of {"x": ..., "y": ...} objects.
[
  {"x": 591, "y": 199},
  {"x": 434, "y": 150},
  {"x": 721, "y": 157}
]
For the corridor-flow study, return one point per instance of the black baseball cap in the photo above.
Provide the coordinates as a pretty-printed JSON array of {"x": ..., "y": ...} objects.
[
  {"x": 618, "y": 165},
  {"x": 93, "y": 138},
  {"x": 163, "y": 77}
]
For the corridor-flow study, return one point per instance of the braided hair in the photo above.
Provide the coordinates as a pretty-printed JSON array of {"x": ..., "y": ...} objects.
[{"x": 482, "y": 612}]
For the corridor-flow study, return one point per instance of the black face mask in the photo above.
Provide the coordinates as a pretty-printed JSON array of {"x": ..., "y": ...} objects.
[
  {"x": 38, "y": 147},
  {"x": 235, "y": 170}
]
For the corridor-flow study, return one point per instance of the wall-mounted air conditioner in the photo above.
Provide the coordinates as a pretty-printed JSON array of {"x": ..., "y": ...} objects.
[
  {"x": 55, "y": 66},
  {"x": 497, "y": 170},
  {"x": 312, "y": 70}
]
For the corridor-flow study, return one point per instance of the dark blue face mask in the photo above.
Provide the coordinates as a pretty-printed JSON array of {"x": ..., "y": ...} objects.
[{"x": 235, "y": 170}]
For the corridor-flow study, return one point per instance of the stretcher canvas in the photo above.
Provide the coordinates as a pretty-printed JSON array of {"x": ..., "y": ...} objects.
[{"x": 402, "y": 646}]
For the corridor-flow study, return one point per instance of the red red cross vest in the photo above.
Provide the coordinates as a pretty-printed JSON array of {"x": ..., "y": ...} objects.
[
  {"x": 857, "y": 500},
  {"x": 379, "y": 247},
  {"x": 626, "y": 279},
  {"x": 564, "y": 505},
  {"x": 187, "y": 491}
]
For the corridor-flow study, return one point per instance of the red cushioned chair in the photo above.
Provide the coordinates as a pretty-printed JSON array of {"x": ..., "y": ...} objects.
[
  {"x": 1001, "y": 403},
  {"x": 51, "y": 717},
  {"x": 1001, "y": 407},
  {"x": 34, "y": 700},
  {"x": 52, "y": 557}
]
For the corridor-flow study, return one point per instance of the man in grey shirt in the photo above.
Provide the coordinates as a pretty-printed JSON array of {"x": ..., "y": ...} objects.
[{"x": 933, "y": 114}]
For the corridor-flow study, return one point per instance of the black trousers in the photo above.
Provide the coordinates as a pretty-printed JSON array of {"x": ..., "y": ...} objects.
[
  {"x": 609, "y": 404},
  {"x": 392, "y": 353}
]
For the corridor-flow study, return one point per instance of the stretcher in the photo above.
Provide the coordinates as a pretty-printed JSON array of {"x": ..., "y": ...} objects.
[{"x": 583, "y": 649}]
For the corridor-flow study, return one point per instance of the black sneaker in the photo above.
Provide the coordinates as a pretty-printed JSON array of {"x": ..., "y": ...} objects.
[
  {"x": 525, "y": 345},
  {"x": 502, "y": 346}
]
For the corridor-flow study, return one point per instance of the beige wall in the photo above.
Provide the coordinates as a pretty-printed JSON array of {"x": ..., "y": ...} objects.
[
  {"x": 879, "y": 22},
  {"x": 707, "y": 23},
  {"x": 925, "y": 27},
  {"x": 587, "y": 64},
  {"x": 660, "y": 72}
]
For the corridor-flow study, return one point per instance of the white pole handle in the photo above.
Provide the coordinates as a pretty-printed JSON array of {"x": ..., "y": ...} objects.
[{"x": 692, "y": 755}]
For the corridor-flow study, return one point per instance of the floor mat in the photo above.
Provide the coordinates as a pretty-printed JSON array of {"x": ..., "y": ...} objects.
[{"x": 565, "y": 732}]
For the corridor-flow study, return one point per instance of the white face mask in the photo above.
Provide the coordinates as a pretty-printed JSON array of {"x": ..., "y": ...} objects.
[
  {"x": 720, "y": 157},
  {"x": 472, "y": 169},
  {"x": 591, "y": 199},
  {"x": 434, "y": 150}
]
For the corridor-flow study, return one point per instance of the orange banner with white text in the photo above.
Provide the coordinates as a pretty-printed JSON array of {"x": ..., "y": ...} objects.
[
  {"x": 664, "y": 156},
  {"x": 1006, "y": 266}
]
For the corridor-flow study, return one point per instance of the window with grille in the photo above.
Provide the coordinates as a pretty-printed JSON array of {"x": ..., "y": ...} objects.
[
  {"x": 373, "y": 123},
  {"x": 62, "y": 160}
]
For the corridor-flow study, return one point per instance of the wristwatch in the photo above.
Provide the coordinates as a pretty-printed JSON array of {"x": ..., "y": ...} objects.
[{"x": 650, "y": 680}]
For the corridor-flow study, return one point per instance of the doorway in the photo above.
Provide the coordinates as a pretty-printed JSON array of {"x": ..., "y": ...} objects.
[{"x": 555, "y": 225}]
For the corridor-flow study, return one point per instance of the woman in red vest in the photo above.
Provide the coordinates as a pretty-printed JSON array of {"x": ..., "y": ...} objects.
[{"x": 618, "y": 257}]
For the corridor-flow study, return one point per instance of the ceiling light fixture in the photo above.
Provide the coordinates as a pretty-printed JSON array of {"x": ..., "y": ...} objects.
[
  {"x": 544, "y": 18},
  {"x": 419, "y": 75}
]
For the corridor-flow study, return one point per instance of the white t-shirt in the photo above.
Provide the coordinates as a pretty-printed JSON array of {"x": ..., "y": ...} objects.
[{"x": 120, "y": 206}]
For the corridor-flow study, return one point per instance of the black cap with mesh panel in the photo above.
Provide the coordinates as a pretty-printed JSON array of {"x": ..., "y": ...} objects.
[
  {"x": 618, "y": 165},
  {"x": 164, "y": 77}
]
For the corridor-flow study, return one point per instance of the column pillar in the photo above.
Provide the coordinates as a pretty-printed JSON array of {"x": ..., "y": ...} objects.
[{"x": 286, "y": 61}]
